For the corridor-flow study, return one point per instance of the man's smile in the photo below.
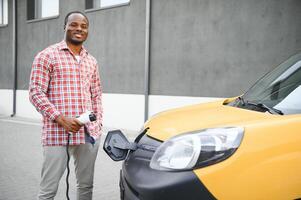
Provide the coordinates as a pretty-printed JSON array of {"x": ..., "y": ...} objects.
[{"x": 78, "y": 35}]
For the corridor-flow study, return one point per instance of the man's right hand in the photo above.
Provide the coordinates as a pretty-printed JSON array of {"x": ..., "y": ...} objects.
[{"x": 69, "y": 124}]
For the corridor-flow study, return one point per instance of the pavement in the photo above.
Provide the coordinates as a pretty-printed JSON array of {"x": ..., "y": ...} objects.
[{"x": 21, "y": 161}]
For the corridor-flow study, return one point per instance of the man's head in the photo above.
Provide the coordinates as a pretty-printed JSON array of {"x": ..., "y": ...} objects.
[{"x": 76, "y": 27}]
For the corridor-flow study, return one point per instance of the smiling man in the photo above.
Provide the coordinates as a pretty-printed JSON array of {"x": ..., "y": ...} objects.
[{"x": 64, "y": 84}]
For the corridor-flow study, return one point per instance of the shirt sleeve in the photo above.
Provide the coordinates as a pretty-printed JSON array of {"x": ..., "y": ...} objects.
[
  {"x": 96, "y": 98},
  {"x": 38, "y": 86}
]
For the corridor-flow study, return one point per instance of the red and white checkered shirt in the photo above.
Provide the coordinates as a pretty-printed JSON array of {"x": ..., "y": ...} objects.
[{"x": 60, "y": 85}]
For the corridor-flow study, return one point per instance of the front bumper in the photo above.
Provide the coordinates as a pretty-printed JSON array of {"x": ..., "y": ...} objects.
[{"x": 139, "y": 182}]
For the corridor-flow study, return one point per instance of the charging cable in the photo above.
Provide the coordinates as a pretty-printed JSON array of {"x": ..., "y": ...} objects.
[
  {"x": 84, "y": 118},
  {"x": 68, "y": 168}
]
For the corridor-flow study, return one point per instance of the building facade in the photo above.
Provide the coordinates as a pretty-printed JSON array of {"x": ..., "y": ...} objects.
[{"x": 153, "y": 54}]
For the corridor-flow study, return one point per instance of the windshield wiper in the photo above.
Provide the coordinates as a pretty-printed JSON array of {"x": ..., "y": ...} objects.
[
  {"x": 267, "y": 108},
  {"x": 259, "y": 105}
]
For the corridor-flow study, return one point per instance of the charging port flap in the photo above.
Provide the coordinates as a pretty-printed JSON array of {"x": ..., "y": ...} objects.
[{"x": 117, "y": 146}]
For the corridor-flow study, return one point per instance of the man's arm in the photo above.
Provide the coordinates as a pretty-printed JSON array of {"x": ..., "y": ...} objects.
[{"x": 38, "y": 87}]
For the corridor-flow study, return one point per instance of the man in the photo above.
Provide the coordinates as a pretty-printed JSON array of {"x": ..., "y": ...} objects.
[{"x": 64, "y": 84}]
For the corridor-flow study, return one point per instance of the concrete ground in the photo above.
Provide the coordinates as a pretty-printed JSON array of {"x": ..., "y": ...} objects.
[{"x": 21, "y": 160}]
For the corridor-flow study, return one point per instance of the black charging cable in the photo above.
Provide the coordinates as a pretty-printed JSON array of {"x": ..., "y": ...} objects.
[
  {"x": 68, "y": 168},
  {"x": 92, "y": 141},
  {"x": 87, "y": 117}
]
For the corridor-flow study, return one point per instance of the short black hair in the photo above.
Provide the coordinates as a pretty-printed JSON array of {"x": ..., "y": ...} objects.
[{"x": 74, "y": 12}]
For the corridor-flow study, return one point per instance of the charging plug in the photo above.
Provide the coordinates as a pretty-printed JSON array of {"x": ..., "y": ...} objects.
[{"x": 86, "y": 117}]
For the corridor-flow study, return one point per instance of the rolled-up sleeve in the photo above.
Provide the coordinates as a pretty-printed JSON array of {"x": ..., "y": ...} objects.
[{"x": 38, "y": 86}]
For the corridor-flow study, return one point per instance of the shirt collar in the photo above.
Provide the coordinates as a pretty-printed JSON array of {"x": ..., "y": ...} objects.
[{"x": 63, "y": 46}]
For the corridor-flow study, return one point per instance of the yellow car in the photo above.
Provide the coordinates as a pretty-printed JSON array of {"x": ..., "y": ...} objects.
[{"x": 248, "y": 147}]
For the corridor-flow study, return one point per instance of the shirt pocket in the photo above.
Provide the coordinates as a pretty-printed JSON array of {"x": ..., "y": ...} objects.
[{"x": 66, "y": 72}]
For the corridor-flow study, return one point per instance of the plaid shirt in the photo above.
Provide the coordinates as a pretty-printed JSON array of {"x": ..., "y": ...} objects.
[{"x": 60, "y": 85}]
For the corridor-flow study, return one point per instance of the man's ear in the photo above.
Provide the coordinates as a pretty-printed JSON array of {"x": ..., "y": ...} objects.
[{"x": 64, "y": 27}]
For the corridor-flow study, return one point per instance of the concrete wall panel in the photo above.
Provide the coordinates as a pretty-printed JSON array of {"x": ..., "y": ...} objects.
[
  {"x": 6, "y": 60},
  {"x": 219, "y": 48}
]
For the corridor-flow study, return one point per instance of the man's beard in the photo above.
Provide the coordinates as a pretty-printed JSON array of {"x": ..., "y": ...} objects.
[{"x": 75, "y": 42}]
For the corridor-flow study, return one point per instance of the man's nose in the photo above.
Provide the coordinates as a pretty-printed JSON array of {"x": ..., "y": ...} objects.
[{"x": 79, "y": 28}]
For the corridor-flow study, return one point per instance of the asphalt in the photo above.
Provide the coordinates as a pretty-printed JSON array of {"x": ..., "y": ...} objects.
[{"x": 21, "y": 160}]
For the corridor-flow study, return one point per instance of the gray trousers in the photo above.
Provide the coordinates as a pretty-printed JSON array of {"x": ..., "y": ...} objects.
[{"x": 55, "y": 163}]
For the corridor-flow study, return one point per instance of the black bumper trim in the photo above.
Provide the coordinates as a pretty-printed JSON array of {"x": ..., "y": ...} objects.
[{"x": 139, "y": 182}]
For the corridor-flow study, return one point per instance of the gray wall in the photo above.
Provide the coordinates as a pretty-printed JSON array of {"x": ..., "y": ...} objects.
[
  {"x": 198, "y": 47},
  {"x": 6, "y": 66},
  {"x": 217, "y": 47}
]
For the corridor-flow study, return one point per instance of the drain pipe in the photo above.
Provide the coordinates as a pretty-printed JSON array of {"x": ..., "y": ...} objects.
[
  {"x": 147, "y": 57},
  {"x": 14, "y": 23}
]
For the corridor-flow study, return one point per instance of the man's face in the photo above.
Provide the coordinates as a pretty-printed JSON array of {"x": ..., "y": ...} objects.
[{"x": 76, "y": 29}]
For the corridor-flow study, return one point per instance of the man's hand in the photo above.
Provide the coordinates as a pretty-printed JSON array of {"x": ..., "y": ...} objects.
[{"x": 69, "y": 124}]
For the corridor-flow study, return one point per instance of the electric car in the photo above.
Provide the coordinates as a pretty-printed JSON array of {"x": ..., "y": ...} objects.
[{"x": 245, "y": 147}]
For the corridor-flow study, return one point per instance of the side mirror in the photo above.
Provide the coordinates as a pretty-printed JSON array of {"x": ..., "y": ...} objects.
[{"x": 117, "y": 146}]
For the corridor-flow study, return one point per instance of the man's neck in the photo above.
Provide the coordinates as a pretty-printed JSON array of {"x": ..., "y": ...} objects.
[{"x": 74, "y": 48}]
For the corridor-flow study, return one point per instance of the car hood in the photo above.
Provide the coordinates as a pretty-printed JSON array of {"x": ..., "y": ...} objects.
[{"x": 201, "y": 116}]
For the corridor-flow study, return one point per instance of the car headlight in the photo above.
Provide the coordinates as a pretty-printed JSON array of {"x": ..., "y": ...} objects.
[{"x": 197, "y": 149}]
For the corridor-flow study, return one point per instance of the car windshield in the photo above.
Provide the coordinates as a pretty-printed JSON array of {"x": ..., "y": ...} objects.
[{"x": 278, "y": 92}]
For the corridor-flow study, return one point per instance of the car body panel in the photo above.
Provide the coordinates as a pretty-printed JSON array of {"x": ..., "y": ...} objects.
[
  {"x": 201, "y": 116},
  {"x": 267, "y": 163}
]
